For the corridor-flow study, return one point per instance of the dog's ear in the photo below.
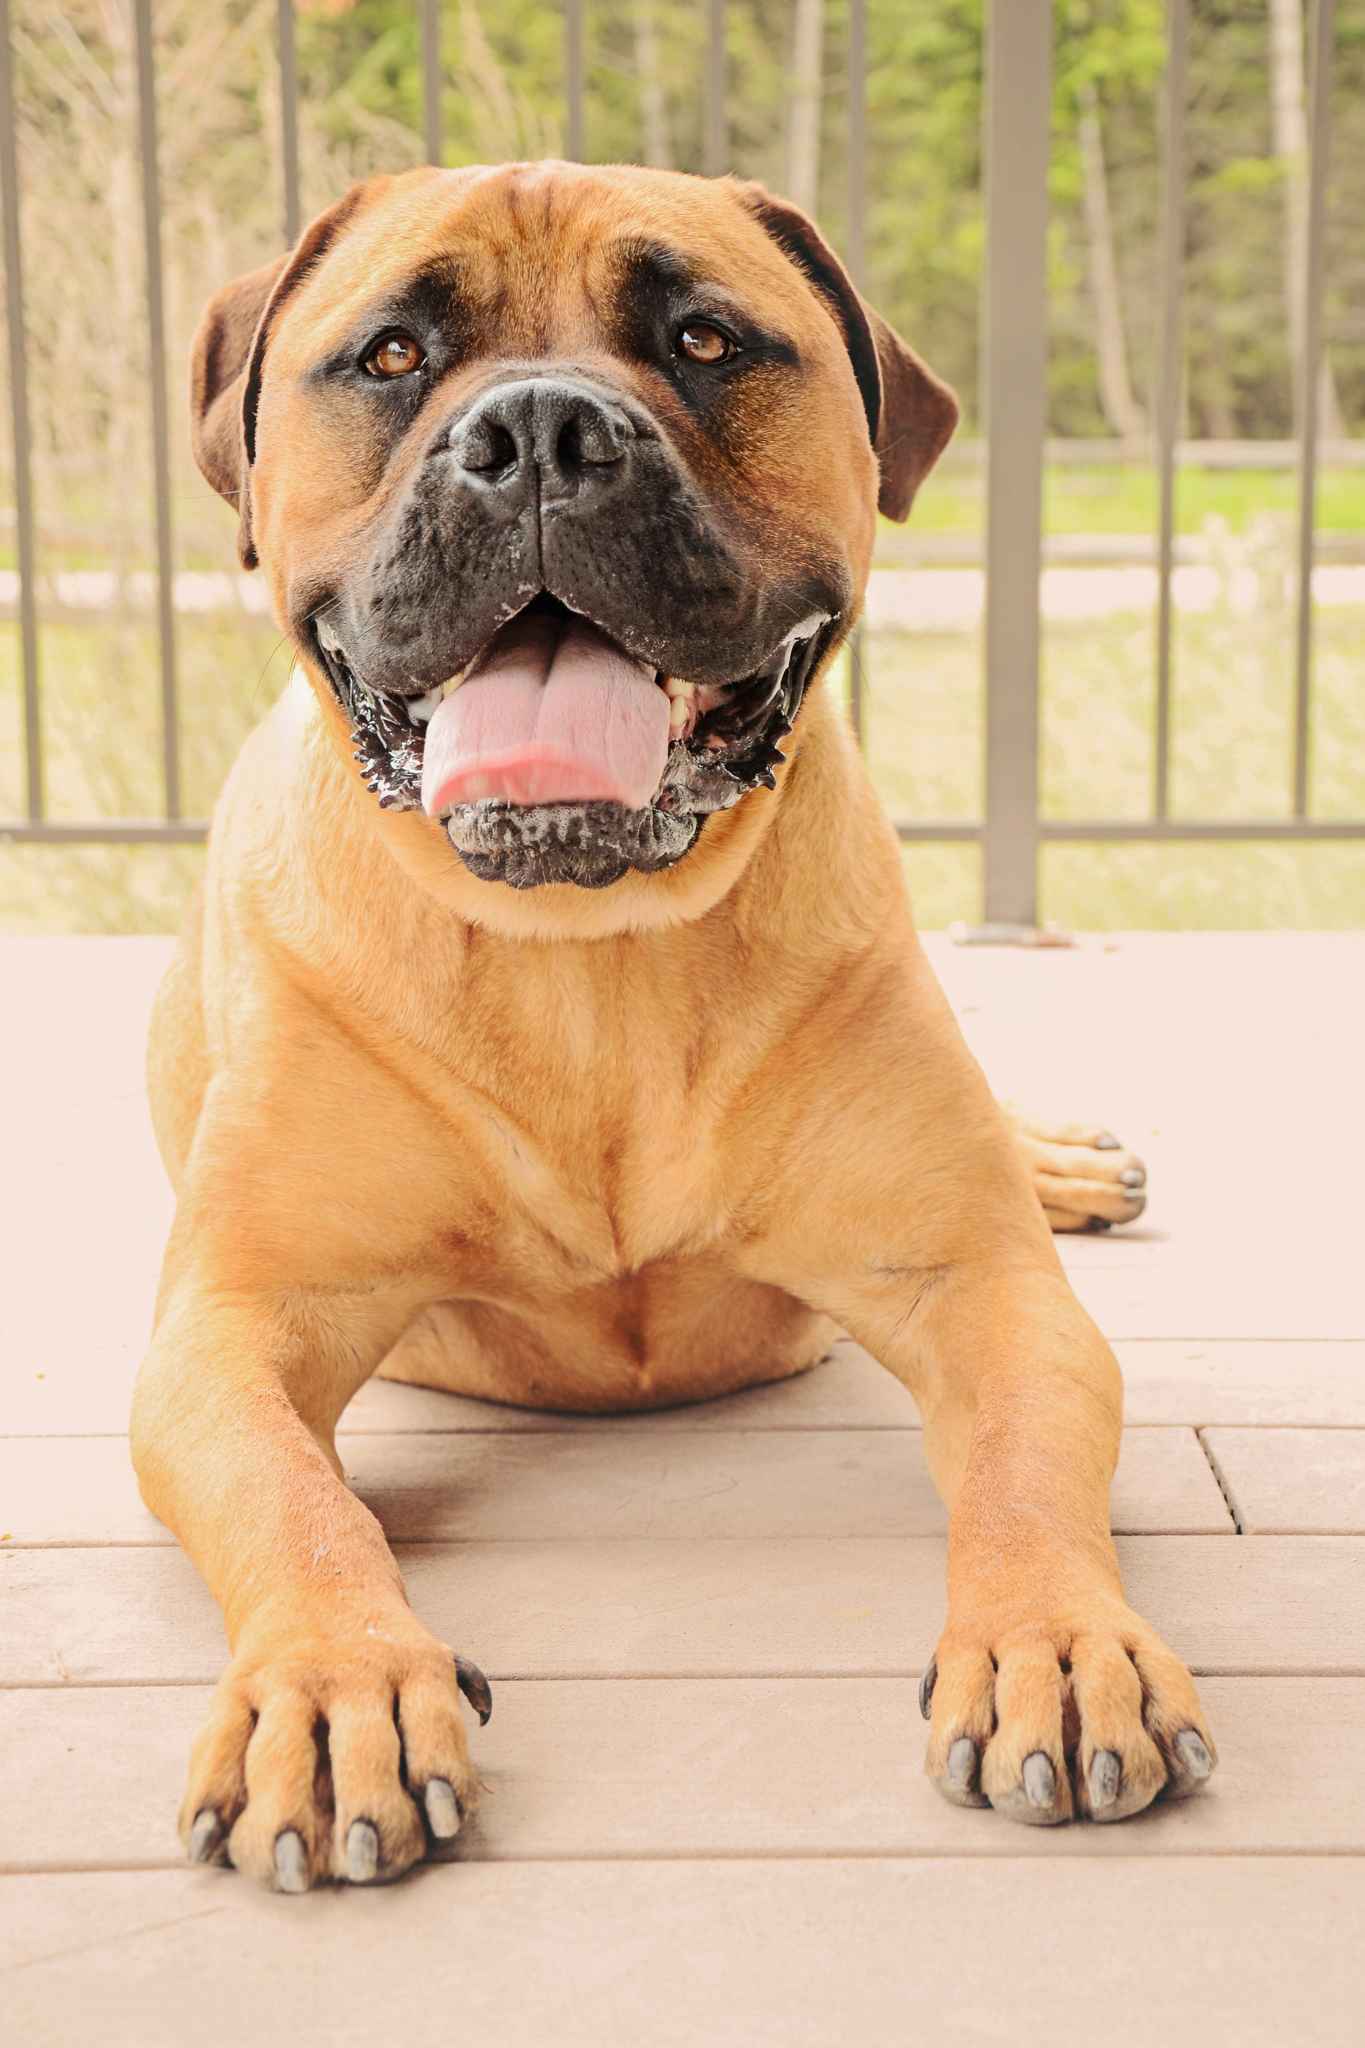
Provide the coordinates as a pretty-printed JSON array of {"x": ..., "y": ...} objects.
[
  {"x": 911, "y": 413},
  {"x": 226, "y": 359}
]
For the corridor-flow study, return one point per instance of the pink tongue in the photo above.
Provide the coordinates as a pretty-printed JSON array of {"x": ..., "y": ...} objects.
[{"x": 553, "y": 714}]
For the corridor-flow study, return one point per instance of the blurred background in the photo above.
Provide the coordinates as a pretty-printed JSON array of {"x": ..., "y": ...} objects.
[{"x": 1131, "y": 233}]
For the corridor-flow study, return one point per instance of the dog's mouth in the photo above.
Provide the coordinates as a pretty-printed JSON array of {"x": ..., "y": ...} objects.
[{"x": 557, "y": 755}]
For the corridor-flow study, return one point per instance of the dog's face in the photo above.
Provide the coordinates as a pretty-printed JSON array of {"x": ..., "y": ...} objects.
[{"x": 566, "y": 482}]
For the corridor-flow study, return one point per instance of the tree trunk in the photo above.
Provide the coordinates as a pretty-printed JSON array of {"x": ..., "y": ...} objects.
[
  {"x": 653, "y": 100},
  {"x": 803, "y": 105},
  {"x": 1121, "y": 409},
  {"x": 1289, "y": 127}
]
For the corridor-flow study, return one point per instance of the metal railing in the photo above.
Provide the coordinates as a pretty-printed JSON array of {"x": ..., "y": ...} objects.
[{"x": 1018, "y": 100}]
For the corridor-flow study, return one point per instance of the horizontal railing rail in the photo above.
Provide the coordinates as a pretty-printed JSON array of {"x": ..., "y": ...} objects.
[{"x": 1013, "y": 454}]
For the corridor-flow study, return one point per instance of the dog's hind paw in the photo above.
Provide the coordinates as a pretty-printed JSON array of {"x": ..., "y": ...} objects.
[{"x": 1085, "y": 1177}]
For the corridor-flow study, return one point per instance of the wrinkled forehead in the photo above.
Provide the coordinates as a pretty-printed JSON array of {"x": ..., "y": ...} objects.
[{"x": 548, "y": 251}]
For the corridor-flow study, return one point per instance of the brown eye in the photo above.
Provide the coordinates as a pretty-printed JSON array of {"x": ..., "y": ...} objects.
[
  {"x": 396, "y": 356},
  {"x": 703, "y": 343}
]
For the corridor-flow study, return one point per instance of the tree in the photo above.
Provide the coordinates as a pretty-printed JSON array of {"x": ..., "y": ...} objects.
[
  {"x": 1121, "y": 408},
  {"x": 1289, "y": 126}
]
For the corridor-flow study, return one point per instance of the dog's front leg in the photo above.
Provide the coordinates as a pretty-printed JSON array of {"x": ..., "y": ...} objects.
[
  {"x": 1048, "y": 1695},
  {"x": 334, "y": 1746},
  {"x": 896, "y": 1202}
]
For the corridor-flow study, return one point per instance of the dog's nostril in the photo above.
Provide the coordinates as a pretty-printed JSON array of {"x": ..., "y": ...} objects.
[
  {"x": 589, "y": 438},
  {"x": 483, "y": 444}
]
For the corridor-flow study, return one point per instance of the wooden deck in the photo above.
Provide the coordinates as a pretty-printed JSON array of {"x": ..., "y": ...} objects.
[{"x": 706, "y": 1821}]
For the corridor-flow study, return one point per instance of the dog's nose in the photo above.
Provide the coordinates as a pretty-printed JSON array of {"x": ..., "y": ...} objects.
[{"x": 548, "y": 433}]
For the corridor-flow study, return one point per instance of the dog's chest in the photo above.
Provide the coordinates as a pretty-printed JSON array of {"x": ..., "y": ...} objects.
[
  {"x": 591, "y": 1189},
  {"x": 588, "y": 1089}
]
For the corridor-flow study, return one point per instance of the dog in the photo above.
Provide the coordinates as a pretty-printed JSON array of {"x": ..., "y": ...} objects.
[{"x": 551, "y": 1026}]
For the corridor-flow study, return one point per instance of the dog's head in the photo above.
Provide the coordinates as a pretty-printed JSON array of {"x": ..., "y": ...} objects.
[{"x": 565, "y": 480}]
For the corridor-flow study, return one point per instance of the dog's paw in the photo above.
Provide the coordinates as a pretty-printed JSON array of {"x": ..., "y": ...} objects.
[
  {"x": 1051, "y": 1722},
  {"x": 334, "y": 1757},
  {"x": 1085, "y": 1177}
]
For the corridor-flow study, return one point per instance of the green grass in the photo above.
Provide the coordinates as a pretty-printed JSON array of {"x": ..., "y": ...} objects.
[
  {"x": 1122, "y": 498},
  {"x": 1232, "y": 711}
]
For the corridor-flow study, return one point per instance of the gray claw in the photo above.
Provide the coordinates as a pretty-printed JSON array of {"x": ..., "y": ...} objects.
[
  {"x": 362, "y": 1851},
  {"x": 291, "y": 1861},
  {"x": 1040, "y": 1780},
  {"x": 1099, "y": 1223},
  {"x": 1106, "y": 1775},
  {"x": 961, "y": 1763},
  {"x": 1134, "y": 1176},
  {"x": 928, "y": 1680},
  {"x": 443, "y": 1809},
  {"x": 475, "y": 1688},
  {"x": 205, "y": 1835},
  {"x": 1107, "y": 1142},
  {"x": 1193, "y": 1753}
]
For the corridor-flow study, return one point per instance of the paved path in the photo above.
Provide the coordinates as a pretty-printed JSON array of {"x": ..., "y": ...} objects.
[{"x": 919, "y": 600}]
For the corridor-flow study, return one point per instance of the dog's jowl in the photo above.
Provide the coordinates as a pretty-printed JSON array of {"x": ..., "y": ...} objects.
[{"x": 551, "y": 1027}]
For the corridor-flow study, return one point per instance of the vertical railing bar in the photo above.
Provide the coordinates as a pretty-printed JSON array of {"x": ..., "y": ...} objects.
[
  {"x": 856, "y": 244},
  {"x": 289, "y": 122},
  {"x": 573, "y": 80},
  {"x": 1018, "y": 123},
  {"x": 856, "y": 253},
  {"x": 431, "y": 79},
  {"x": 1319, "y": 144},
  {"x": 1168, "y": 371},
  {"x": 161, "y": 437},
  {"x": 715, "y": 135},
  {"x": 20, "y": 428}
]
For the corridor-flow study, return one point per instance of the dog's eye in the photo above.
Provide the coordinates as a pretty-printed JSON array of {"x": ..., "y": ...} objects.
[
  {"x": 701, "y": 342},
  {"x": 397, "y": 355}
]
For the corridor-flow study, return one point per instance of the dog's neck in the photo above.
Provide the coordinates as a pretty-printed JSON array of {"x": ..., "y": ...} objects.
[{"x": 322, "y": 852}]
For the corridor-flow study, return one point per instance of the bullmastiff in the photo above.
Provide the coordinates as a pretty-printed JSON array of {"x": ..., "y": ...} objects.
[{"x": 551, "y": 1027}]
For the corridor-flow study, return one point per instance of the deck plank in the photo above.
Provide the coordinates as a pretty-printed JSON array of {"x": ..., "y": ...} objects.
[
  {"x": 616, "y": 1608},
  {"x": 1293, "y": 1481},
  {"x": 591, "y": 1483},
  {"x": 85, "y": 1391},
  {"x": 667, "y": 1954},
  {"x": 689, "y": 1767},
  {"x": 1318, "y": 1384}
]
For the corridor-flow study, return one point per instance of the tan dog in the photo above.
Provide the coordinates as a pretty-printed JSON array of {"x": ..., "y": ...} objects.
[{"x": 577, "y": 1049}]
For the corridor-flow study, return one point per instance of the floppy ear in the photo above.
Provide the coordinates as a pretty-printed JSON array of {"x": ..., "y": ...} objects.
[
  {"x": 226, "y": 360},
  {"x": 911, "y": 413}
]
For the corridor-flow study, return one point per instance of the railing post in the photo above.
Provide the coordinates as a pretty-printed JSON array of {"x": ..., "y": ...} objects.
[
  {"x": 1018, "y": 127},
  {"x": 1166, "y": 409},
  {"x": 715, "y": 136},
  {"x": 573, "y": 80},
  {"x": 433, "y": 139},
  {"x": 289, "y": 120},
  {"x": 161, "y": 430},
  {"x": 26, "y": 553},
  {"x": 1323, "y": 20},
  {"x": 856, "y": 252}
]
